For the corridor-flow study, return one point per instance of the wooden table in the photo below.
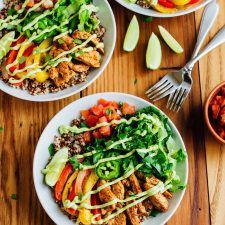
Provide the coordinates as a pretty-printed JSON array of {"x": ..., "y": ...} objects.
[{"x": 23, "y": 122}]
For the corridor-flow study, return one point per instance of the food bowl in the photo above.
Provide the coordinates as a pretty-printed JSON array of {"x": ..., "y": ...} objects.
[
  {"x": 108, "y": 21},
  {"x": 213, "y": 93},
  {"x": 64, "y": 117},
  {"x": 151, "y": 12}
]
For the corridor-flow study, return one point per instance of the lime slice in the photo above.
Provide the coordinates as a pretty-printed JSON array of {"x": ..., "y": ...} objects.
[
  {"x": 154, "y": 53},
  {"x": 170, "y": 40},
  {"x": 5, "y": 43},
  {"x": 55, "y": 167},
  {"x": 132, "y": 35}
]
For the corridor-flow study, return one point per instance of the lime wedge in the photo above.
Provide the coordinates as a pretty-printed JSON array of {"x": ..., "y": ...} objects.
[
  {"x": 154, "y": 53},
  {"x": 55, "y": 167},
  {"x": 132, "y": 35},
  {"x": 170, "y": 40}
]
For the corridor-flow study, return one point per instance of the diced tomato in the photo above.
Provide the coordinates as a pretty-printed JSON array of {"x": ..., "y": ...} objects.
[
  {"x": 96, "y": 134},
  {"x": 220, "y": 100},
  {"x": 215, "y": 111},
  {"x": 68, "y": 169},
  {"x": 30, "y": 4},
  {"x": 114, "y": 104},
  {"x": 92, "y": 120},
  {"x": 85, "y": 113},
  {"x": 97, "y": 110},
  {"x": 102, "y": 119},
  {"x": 27, "y": 53},
  {"x": 87, "y": 136},
  {"x": 96, "y": 201},
  {"x": 103, "y": 102},
  {"x": 166, "y": 3},
  {"x": 128, "y": 109},
  {"x": 105, "y": 131}
]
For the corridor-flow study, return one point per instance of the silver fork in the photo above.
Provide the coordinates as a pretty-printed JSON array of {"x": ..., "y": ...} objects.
[
  {"x": 176, "y": 100},
  {"x": 170, "y": 82},
  {"x": 209, "y": 15}
]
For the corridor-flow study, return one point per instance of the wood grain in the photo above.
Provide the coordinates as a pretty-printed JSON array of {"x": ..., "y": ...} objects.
[
  {"x": 24, "y": 121},
  {"x": 212, "y": 72}
]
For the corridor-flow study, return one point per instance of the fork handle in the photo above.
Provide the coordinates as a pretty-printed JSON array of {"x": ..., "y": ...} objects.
[
  {"x": 218, "y": 39},
  {"x": 208, "y": 18}
]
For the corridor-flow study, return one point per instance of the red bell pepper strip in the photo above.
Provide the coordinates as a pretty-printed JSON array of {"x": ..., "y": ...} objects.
[
  {"x": 71, "y": 196},
  {"x": 27, "y": 53},
  {"x": 13, "y": 53},
  {"x": 95, "y": 201},
  {"x": 68, "y": 169},
  {"x": 193, "y": 1},
  {"x": 166, "y": 3}
]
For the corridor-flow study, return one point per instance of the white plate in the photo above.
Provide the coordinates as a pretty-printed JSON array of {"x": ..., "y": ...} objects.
[
  {"x": 151, "y": 12},
  {"x": 65, "y": 116},
  {"x": 108, "y": 21}
]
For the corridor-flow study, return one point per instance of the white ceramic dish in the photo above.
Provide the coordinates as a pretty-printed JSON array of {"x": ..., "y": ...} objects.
[
  {"x": 151, "y": 12},
  {"x": 108, "y": 21},
  {"x": 65, "y": 116}
]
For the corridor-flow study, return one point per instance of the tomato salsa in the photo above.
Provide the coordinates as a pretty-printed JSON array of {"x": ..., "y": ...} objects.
[{"x": 217, "y": 112}]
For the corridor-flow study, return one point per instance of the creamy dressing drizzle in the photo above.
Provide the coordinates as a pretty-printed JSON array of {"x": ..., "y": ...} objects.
[
  {"x": 64, "y": 129},
  {"x": 160, "y": 187}
]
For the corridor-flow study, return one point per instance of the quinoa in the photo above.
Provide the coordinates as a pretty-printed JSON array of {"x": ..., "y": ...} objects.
[
  {"x": 75, "y": 143},
  {"x": 143, "y": 3}
]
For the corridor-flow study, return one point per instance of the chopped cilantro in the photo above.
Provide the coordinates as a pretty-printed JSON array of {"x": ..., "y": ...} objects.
[
  {"x": 14, "y": 196},
  {"x": 22, "y": 59},
  {"x": 37, "y": 51},
  {"x": 109, "y": 111},
  {"x": 132, "y": 194},
  {"x": 60, "y": 41},
  {"x": 147, "y": 18},
  {"x": 77, "y": 41},
  {"x": 121, "y": 104},
  {"x": 1, "y": 129},
  {"x": 51, "y": 149},
  {"x": 154, "y": 213},
  {"x": 75, "y": 163},
  {"x": 11, "y": 12},
  {"x": 48, "y": 58},
  {"x": 80, "y": 195},
  {"x": 73, "y": 54}
]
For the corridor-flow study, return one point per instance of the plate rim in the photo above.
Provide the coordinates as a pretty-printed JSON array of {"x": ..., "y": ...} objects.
[
  {"x": 153, "y": 13},
  {"x": 104, "y": 95}
]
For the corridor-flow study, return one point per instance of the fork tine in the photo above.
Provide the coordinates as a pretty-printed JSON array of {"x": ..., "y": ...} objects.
[
  {"x": 163, "y": 93},
  {"x": 164, "y": 85},
  {"x": 182, "y": 99},
  {"x": 159, "y": 83},
  {"x": 173, "y": 98},
  {"x": 175, "y": 107},
  {"x": 169, "y": 91},
  {"x": 160, "y": 90}
]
